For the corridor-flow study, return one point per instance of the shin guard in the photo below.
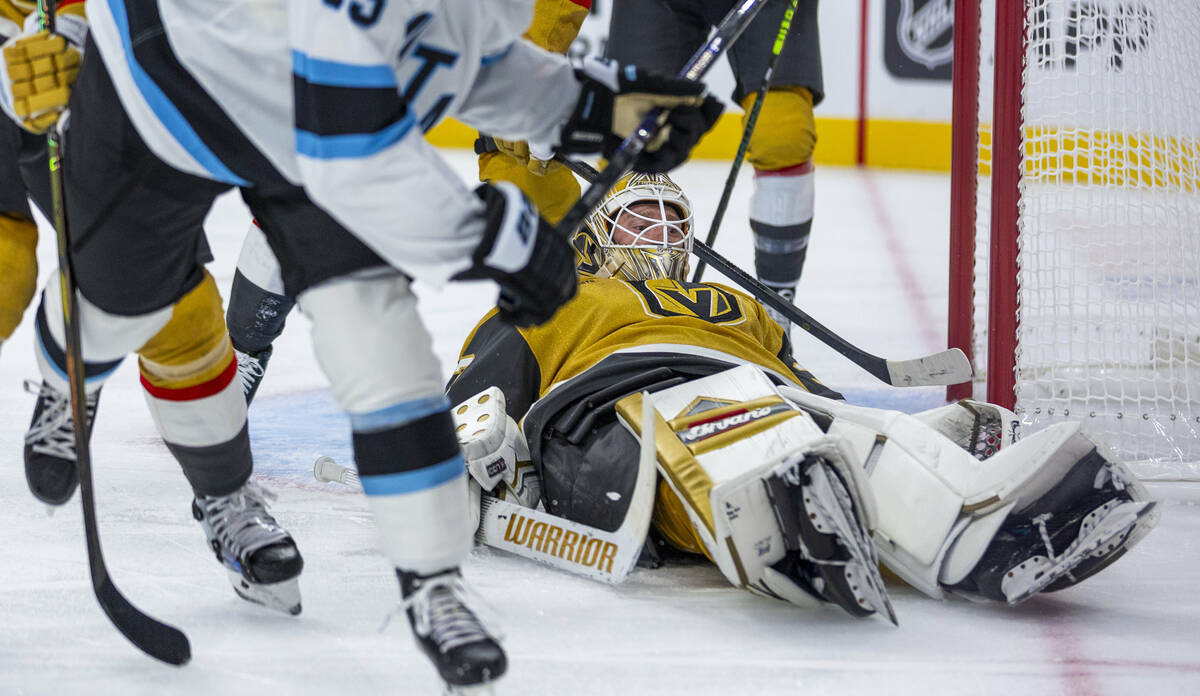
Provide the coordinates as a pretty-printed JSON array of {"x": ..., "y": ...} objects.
[{"x": 188, "y": 373}]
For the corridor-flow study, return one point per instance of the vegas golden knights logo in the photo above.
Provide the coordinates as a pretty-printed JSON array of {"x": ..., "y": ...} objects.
[
  {"x": 588, "y": 257},
  {"x": 671, "y": 298}
]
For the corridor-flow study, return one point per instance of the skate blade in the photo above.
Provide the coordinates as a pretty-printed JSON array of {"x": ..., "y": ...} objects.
[
  {"x": 281, "y": 596},
  {"x": 861, "y": 572},
  {"x": 475, "y": 690},
  {"x": 1035, "y": 574}
]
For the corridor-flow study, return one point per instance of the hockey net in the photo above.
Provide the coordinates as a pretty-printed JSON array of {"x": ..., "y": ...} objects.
[{"x": 1086, "y": 218}]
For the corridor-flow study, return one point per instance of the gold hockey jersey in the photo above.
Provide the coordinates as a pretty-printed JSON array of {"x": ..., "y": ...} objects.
[{"x": 617, "y": 327}]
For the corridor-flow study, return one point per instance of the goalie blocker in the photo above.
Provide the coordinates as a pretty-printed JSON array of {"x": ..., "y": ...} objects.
[{"x": 785, "y": 491}]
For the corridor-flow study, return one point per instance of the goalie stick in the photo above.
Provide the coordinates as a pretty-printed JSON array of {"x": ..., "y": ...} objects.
[
  {"x": 941, "y": 368},
  {"x": 552, "y": 540},
  {"x": 730, "y": 28},
  {"x": 153, "y": 637}
]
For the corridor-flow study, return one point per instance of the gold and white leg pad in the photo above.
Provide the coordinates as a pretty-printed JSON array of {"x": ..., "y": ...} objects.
[
  {"x": 946, "y": 516},
  {"x": 779, "y": 506}
]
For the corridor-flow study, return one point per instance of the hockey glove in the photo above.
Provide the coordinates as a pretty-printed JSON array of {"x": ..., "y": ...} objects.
[
  {"x": 39, "y": 69},
  {"x": 534, "y": 266},
  {"x": 613, "y": 101}
]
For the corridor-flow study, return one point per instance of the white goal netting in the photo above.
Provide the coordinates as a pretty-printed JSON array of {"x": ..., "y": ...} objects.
[{"x": 1108, "y": 303}]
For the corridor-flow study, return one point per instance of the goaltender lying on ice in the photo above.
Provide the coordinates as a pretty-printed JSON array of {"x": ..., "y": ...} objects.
[{"x": 656, "y": 411}]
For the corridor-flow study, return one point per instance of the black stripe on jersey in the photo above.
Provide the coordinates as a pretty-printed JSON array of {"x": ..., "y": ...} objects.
[
  {"x": 415, "y": 445},
  {"x": 331, "y": 110},
  {"x": 224, "y": 138}
]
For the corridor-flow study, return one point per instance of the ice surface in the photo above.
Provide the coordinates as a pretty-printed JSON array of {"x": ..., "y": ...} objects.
[{"x": 877, "y": 274}]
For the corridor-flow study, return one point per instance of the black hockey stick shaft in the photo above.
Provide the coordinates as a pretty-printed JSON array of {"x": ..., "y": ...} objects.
[
  {"x": 947, "y": 367},
  {"x": 156, "y": 639},
  {"x": 785, "y": 27}
]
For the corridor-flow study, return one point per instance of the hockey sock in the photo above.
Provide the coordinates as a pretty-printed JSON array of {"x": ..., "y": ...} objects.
[
  {"x": 781, "y": 211},
  {"x": 18, "y": 269}
]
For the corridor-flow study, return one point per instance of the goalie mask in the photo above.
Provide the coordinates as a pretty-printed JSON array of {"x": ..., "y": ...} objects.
[{"x": 642, "y": 230}]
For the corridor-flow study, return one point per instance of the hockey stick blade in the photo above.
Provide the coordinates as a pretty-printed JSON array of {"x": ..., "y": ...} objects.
[
  {"x": 156, "y": 639},
  {"x": 947, "y": 367},
  {"x": 942, "y": 368}
]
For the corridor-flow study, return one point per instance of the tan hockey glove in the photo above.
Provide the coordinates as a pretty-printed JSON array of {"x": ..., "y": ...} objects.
[{"x": 39, "y": 69}]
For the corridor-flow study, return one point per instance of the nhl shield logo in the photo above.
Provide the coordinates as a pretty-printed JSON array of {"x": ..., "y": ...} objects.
[{"x": 925, "y": 31}]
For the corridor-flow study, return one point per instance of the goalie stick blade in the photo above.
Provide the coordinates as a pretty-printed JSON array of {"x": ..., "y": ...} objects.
[
  {"x": 156, "y": 639},
  {"x": 939, "y": 369}
]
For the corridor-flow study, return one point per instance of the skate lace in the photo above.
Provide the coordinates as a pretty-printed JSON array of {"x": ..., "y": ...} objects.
[
  {"x": 1040, "y": 521},
  {"x": 240, "y": 520},
  {"x": 440, "y": 610},
  {"x": 250, "y": 370},
  {"x": 53, "y": 432}
]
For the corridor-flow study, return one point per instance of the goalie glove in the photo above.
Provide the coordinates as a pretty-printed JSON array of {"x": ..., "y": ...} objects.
[
  {"x": 615, "y": 98},
  {"x": 40, "y": 67},
  {"x": 534, "y": 266}
]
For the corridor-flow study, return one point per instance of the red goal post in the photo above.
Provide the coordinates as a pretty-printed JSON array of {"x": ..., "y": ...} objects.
[{"x": 1074, "y": 273}]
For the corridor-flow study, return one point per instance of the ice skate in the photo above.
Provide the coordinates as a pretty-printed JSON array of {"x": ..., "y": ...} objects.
[
  {"x": 467, "y": 656},
  {"x": 50, "y": 444},
  {"x": 262, "y": 560},
  {"x": 829, "y": 548},
  {"x": 1047, "y": 547},
  {"x": 251, "y": 369},
  {"x": 789, "y": 295}
]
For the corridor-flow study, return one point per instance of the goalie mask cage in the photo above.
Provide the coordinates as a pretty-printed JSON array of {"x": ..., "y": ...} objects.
[{"x": 1075, "y": 230}]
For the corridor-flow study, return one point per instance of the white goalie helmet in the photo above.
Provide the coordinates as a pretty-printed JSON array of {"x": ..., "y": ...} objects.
[{"x": 644, "y": 226}]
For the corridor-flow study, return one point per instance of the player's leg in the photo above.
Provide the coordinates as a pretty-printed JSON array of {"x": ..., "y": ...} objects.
[
  {"x": 378, "y": 357},
  {"x": 138, "y": 250},
  {"x": 549, "y": 185},
  {"x": 18, "y": 235},
  {"x": 782, "y": 145},
  {"x": 258, "y": 309}
]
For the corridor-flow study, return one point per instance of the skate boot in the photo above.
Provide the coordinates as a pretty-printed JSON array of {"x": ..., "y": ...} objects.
[
  {"x": 262, "y": 560},
  {"x": 829, "y": 548},
  {"x": 466, "y": 655},
  {"x": 251, "y": 368},
  {"x": 50, "y": 444},
  {"x": 1076, "y": 529},
  {"x": 788, "y": 293}
]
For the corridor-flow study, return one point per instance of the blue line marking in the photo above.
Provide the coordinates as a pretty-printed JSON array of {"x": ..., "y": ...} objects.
[
  {"x": 327, "y": 72},
  {"x": 397, "y": 415},
  {"x": 166, "y": 111},
  {"x": 352, "y": 145},
  {"x": 414, "y": 481}
]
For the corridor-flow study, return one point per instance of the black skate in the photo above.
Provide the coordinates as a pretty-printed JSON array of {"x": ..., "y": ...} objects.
[
  {"x": 829, "y": 550},
  {"x": 262, "y": 560},
  {"x": 251, "y": 368},
  {"x": 1078, "y": 528},
  {"x": 466, "y": 655},
  {"x": 50, "y": 444}
]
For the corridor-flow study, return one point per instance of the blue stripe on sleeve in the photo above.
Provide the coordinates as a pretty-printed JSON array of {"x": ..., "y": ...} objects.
[
  {"x": 328, "y": 72},
  {"x": 417, "y": 480},
  {"x": 166, "y": 111},
  {"x": 353, "y": 145},
  {"x": 488, "y": 60}
]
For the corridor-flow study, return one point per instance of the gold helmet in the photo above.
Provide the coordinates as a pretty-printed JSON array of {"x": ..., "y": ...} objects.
[{"x": 641, "y": 231}]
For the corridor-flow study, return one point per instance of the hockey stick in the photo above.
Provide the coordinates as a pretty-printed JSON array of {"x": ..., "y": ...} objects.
[
  {"x": 945, "y": 367},
  {"x": 556, "y": 541},
  {"x": 785, "y": 28},
  {"x": 153, "y": 637},
  {"x": 730, "y": 28}
]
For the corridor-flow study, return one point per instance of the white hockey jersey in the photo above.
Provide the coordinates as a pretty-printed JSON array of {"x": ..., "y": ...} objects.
[{"x": 335, "y": 95}]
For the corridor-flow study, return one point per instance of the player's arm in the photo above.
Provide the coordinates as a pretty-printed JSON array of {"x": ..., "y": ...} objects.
[{"x": 362, "y": 157}]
